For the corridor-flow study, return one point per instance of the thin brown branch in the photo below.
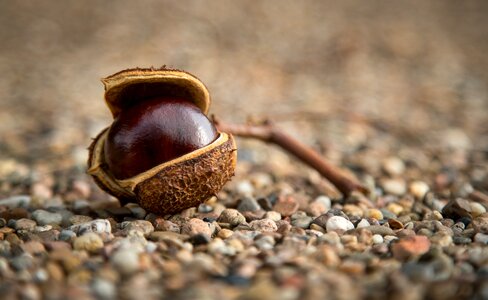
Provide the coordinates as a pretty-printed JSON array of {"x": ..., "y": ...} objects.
[{"x": 270, "y": 134}]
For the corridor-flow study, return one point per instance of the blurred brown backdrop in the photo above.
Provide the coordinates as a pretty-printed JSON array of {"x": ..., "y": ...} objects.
[{"x": 327, "y": 71}]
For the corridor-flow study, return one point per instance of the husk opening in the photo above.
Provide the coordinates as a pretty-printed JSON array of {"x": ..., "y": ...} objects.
[{"x": 124, "y": 88}]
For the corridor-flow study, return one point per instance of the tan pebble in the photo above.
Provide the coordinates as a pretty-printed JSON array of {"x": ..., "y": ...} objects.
[
  {"x": 395, "y": 208},
  {"x": 477, "y": 209},
  {"x": 394, "y": 186},
  {"x": 353, "y": 210},
  {"x": 225, "y": 233},
  {"x": 90, "y": 242},
  {"x": 80, "y": 277},
  {"x": 236, "y": 244},
  {"x": 418, "y": 189},
  {"x": 393, "y": 166},
  {"x": 55, "y": 271},
  {"x": 286, "y": 206},
  {"x": 196, "y": 226},
  {"x": 374, "y": 213},
  {"x": 352, "y": 267},
  {"x": 328, "y": 256},
  {"x": 315, "y": 209},
  {"x": 317, "y": 227},
  {"x": 273, "y": 215}
]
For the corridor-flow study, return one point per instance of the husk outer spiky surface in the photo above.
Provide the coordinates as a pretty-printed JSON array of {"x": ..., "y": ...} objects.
[{"x": 189, "y": 182}]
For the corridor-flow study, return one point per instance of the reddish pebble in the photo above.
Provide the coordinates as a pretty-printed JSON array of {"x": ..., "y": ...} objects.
[
  {"x": 410, "y": 246},
  {"x": 286, "y": 206}
]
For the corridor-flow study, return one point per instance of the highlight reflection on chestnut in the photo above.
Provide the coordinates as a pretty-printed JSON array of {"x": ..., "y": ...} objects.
[{"x": 155, "y": 131}]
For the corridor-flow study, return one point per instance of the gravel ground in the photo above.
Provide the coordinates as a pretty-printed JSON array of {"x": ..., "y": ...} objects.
[{"x": 397, "y": 93}]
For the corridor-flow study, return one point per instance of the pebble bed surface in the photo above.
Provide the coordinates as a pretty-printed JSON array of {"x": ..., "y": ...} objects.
[{"x": 262, "y": 238}]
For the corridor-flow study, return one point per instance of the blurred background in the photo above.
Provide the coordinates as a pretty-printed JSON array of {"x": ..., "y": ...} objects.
[{"x": 380, "y": 77}]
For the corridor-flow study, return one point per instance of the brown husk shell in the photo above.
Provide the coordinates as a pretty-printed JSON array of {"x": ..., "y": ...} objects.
[
  {"x": 125, "y": 87},
  {"x": 172, "y": 186}
]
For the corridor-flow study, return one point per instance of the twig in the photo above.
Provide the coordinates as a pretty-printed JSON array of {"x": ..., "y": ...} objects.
[{"x": 270, "y": 134}]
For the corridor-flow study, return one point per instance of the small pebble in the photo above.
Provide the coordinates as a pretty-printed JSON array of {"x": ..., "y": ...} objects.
[
  {"x": 457, "y": 208},
  {"x": 24, "y": 224},
  {"x": 394, "y": 208},
  {"x": 410, "y": 246},
  {"x": 481, "y": 238},
  {"x": 374, "y": 213},
  {"x": 126, "y": 261},
  {"x": 67, "y": 235},
  {"x": 302, "y": 222},
  {"x": 363, "y": 223},
  {"x": 43, "y": 217},
  {"x": 225, "y": 233},
  {"x": 393, "y": 166},
  {"x": 245, "y": 188},
  {"x": 394, "y": 186},
  {"x": 418, "y": 189},
  {"x": 196, "y": 226},
  {"x": 338, "y": 224},
  {"x": 231, "y": 216},
  {"x": 264, "y": 225},
  {"x": 248, "y": 204},
  {"x": 16, "y": 201},
  {"x": 96, "y": 226},
  {"x": 477, "y": 209},
  {"x": 145, "y": 227},
  {"x": 90, "y": 242},
  {"x": 273, "y": 215},
  {"x": 286, "y": 206},
  {"x": 377, "y": 239},
  {"x": 104, "y": 289}
]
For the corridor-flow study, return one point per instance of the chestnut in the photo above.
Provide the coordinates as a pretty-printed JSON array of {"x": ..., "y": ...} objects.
[{"x": 161, "y": 150}]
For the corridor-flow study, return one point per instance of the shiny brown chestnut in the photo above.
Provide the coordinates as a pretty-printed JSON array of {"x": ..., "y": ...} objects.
[{"x": 161, "y": 150}]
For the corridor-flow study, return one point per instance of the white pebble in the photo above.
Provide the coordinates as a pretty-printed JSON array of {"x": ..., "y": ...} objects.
[
  {"x": 16, "y": 201},
  {"x": 338, "y": 224},
  {"x": 273, "y": 215},
  {"x": 389, "y": 238},
  {"x": 97, "y": 226},
  {"x": 126, "y": 261},
  {"x": 377, "y": 239},
  {"x": 324, "y": 200},
  {"x": 363, "y": 223},
  {"x": 481, "y": 238},
  {"x": 419, "y": 189},
  {"x": 393, "y": 166},
  {"x": 477, "y": 209},
  {"x": 245, "y": 188},
  {"x": 394, "y": 186}
]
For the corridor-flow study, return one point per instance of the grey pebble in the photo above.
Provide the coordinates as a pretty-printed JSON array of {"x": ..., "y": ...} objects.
[
  {"x": 96, "y": 226},
  {"x": 302, "y": 221},
  {"x": 67, "y": 235},
  {"x": 21, "y": 262},
  {"x": 231, "y": 216},
  {"x": 264, "y": 225},
  {"x": 248, "y": 204},
  {"x": 481, "y": 238},
  {"x": 126, "y": 261},
  {"x": 104, "y": 289},
  {"x": 44, "y": 217},
  {"x": 16, "y": 201},
  {"x": 381, "y": 230},
  {"x": 24, "y": 224},
  {"x": 145, "y": 227}
]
